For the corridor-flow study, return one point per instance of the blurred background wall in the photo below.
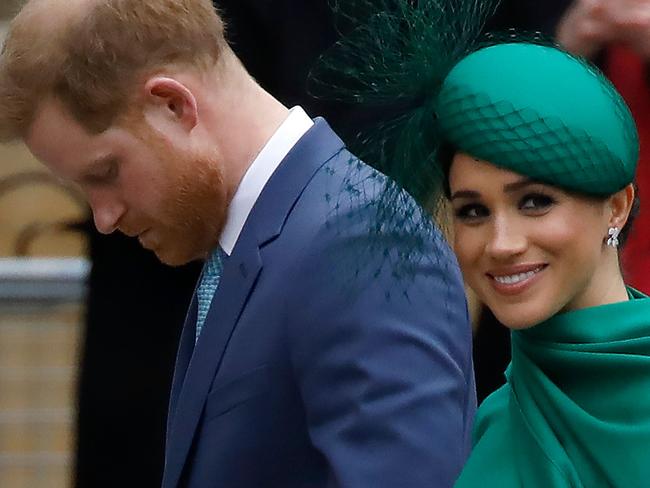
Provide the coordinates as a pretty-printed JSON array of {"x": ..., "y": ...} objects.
[
  {"x": 8, "y": 8},
  {"x": 39, "y": 332}
]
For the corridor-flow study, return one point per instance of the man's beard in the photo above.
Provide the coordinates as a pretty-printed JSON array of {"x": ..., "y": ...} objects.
[
  {"x": 193, "y": 218},
  {"x": 192, "y": 215}
]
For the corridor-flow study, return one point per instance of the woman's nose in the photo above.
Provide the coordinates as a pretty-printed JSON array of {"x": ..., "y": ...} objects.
[{"x": 507, "y": 239}]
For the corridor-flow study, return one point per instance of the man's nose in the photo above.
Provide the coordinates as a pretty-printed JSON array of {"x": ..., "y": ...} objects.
[{"x": 107, "y": 213}]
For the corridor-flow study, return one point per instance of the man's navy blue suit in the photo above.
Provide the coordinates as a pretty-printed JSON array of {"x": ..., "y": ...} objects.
[{"x": 318, "y": 365}]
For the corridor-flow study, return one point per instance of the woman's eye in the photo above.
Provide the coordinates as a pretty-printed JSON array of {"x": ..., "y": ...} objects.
[
  {"x": 536, "y": 202},
  {"x": 471, "y": 212}
]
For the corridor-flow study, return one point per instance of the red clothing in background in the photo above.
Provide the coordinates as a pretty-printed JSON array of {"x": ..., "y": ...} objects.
[{"x": 629, "y": 74}]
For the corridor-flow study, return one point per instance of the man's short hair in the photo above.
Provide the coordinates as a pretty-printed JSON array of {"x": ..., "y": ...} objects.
[{"x": 91, "y": 61}]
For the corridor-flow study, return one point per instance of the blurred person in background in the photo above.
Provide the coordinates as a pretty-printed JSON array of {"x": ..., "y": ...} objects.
[{"x": 312, "y": 363}]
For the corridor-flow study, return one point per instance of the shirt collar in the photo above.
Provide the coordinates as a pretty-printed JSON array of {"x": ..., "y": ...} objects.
[{"x": 258, "y": 174}]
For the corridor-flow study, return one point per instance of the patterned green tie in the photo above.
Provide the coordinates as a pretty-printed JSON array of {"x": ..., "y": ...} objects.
[{"x": 207, "y": 288}]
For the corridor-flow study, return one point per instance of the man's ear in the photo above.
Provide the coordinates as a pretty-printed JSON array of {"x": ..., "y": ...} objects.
[
  {"x": 620, "y": 205},
  {"x": 168, "y": 100}
]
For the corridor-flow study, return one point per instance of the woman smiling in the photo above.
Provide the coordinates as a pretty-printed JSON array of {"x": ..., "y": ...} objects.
[
  {"x": 540, "y": 155},
  {"x": 531, "y": 250}
]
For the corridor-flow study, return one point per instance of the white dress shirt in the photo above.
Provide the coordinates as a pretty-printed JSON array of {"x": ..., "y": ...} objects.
[{"x": 259, "y": 173}]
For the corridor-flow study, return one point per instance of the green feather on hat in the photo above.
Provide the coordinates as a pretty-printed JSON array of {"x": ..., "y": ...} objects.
[{"x": 517, "y": 102}]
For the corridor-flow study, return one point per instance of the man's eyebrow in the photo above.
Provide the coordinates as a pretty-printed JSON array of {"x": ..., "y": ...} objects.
[
  {"x": 97, "y": 169},
  {"x": 465, "y": 194}
]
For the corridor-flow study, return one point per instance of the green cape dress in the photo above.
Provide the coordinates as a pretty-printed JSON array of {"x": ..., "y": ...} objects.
[{"x": 575, "y": 411}]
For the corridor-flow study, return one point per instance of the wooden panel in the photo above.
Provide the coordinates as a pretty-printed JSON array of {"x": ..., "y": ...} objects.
[{"x": 36, "y": 203}]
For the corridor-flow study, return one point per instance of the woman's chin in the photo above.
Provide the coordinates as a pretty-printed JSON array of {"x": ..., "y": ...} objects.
[{"x": 520, "y": 317}]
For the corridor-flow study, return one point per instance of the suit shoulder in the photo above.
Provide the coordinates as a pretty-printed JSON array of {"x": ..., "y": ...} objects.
[{"x": 347, "y": 197}]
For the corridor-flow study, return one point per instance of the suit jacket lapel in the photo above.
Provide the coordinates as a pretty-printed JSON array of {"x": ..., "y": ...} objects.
[
  {"x": 185, "y": 350},
  {"x": 240, "y": 273},
  {"x": 197, "y": 366}
]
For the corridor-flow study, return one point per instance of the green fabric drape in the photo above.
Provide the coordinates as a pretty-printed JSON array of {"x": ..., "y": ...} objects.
[{"x": 575, "y": 411}]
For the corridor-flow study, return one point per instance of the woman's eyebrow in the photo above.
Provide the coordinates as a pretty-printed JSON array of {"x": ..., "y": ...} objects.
[
  {"x": 465, "y": 194},
  {"x": 518, "y": 185}
]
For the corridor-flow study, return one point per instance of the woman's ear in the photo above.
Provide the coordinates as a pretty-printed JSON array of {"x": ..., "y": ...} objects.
[
  {"x": 170, "y": 101},
  {"x": 620, "y": 206}
]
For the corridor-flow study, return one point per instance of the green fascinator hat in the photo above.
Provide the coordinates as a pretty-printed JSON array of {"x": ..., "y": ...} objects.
[
  {"x": 540, "y": 112},
  {"x": 434, "y": 81}
]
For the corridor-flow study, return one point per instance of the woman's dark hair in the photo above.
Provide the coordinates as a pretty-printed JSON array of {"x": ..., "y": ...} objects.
[
  {"x": 634, "y": 212},
  {"x": 445, "y": 157}
]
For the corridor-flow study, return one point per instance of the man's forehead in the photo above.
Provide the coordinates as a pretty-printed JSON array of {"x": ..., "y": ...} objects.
[
  {"x": 51, "y": 119},
  {"x": 59, "y": 141}
]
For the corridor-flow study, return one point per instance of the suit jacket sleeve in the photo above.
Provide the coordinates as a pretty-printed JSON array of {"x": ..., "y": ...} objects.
[{"x": 381, "y": 347}]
